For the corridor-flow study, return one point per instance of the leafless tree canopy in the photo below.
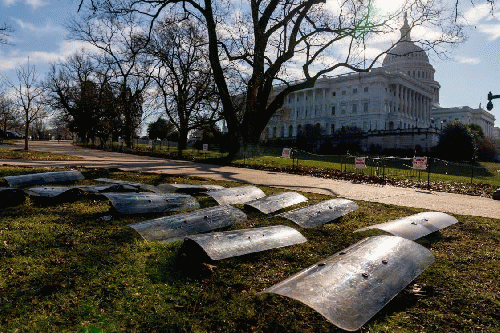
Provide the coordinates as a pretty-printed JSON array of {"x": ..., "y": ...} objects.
[
  {"x": 27, "y": 94},
  {"x": 5, "y": 31},
  {"x": 291, "y": 43},
  {"x": 183, "y": 79}
]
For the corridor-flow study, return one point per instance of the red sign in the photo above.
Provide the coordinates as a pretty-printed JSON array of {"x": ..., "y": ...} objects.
[
  {"x": 360, "y": 162},
  {"x": 420, "y": 163},
  {"x": 286, "y": 153}
]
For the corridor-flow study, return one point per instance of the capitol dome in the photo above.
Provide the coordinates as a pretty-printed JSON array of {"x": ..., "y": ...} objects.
[{"x": 409, "y": 58}]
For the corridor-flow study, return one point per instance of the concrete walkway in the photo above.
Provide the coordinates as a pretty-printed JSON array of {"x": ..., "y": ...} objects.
[{"x": 434, "y": 201}]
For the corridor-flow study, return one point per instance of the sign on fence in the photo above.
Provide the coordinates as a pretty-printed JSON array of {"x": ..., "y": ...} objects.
[
  {"x": 286, "y": 152},
  {"x": 120, "y": 142},
  {"x": 205, "y": 147},
  {"x": 151, "y": 144},
  {"x": 360, "y": 162},
  {"x": 420, "y": 163}
]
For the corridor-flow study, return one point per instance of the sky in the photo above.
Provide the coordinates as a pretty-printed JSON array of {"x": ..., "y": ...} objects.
[{"x": 472, "y": 70}]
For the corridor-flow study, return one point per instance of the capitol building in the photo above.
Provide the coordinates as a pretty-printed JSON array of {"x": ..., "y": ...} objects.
[{"x": 396, "y": 105}]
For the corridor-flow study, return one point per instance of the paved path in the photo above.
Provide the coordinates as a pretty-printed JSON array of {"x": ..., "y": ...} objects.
[{"x": 435, "y": 201}]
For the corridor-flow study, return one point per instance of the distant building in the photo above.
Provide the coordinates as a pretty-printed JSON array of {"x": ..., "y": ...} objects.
[{"x": 442, "y": 116}]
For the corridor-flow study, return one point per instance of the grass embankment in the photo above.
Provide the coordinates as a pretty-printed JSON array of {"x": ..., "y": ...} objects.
[
  {"x": 63, "y": 269},
  {"x": 7, "y": 153}
]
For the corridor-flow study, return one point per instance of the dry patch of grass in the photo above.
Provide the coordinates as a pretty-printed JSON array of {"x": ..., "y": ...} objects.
[{"x": 64, "y": 269}]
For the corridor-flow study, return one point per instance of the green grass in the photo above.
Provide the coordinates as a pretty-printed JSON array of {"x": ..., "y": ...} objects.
[
  {"x": 64, "y": 270},
  {"x": 7, "y": 153}
]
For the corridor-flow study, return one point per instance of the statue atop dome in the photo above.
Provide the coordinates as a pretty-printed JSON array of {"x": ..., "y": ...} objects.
[{"x": 405, "y": 30}]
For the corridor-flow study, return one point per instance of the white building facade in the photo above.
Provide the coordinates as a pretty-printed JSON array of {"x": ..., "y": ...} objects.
[
  {"x": 468, "y": 115},
  {"x": 398, "y": 95}
]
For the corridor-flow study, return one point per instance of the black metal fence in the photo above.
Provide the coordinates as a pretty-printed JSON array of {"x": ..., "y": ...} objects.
[{"x": 387, "y": 166}]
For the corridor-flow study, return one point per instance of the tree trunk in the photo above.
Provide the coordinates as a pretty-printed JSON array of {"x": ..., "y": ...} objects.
[
  {"x": 182, "y": 142},
  {"x": 26, "y": 132}
]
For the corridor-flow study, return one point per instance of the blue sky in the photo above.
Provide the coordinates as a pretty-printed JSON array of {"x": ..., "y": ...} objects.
[{"x": 472, "y": 71}]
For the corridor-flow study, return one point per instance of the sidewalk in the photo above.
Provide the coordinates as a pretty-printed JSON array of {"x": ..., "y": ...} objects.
[{"x": 417, "y": 198}]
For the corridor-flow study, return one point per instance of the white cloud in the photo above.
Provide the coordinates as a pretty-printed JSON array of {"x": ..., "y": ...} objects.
[
  {"x": 9, "y": 2},
  {"x": 468, "y": 60},
  {"x": 66, "y": 48},
  {"x": 47, "y": 29},
  {"x": 492, "y": 30},
  {"x": 35, "y": 3}
]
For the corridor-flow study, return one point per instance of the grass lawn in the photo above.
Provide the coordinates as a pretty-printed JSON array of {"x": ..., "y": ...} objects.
[
  {"x": 63, "y": 269},
  {"x": 7, "y": 153}
]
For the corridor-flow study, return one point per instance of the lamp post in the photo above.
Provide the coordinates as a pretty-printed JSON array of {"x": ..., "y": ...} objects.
[{"x": 489, "y": 106}]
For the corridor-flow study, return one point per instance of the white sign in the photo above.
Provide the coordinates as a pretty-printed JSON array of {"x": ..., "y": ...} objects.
[
  {"x": 205, "y": 147},
  {"x": 420, "y": 163},
  {"x": 360, "y": 162},
  {"x": 120, "y": 142},
  {"x": 286, "y": 152},
  {"x": 151, "y": 144}
]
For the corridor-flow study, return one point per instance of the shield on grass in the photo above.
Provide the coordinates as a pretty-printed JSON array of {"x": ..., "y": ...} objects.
[
  {"x": 236, "y": 195},
  {"x": 44, "y": 178},
  {"x": 273, "y": 203},
  {"x": 351, "y": 286},
  {"x": 145, "y": 203},
  {"x": 321, "y": 213},
  {"x": 415, "y": 226},
  {"x": 174, "y": 227},
  {"x": 227, "y": 244}
]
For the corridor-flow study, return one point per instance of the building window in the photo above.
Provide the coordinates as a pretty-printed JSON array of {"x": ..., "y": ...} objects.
[
  {"x": 334, "y": 93},
  {"x": 366, "y": 89},
  {"x": 365, "y": 107},
  {"x": 343, "y": 92},
  {"x": 290, "y": 131},
  {"x": 354, "y": 108},
  {"x": 274, "y": 132},
  {"x": 333, "y": 128},
  {"x": 355, "y": 91},
  {"x": 342, "y": 109},
  {"x": 333, "y": 110},
  {"x": 365, "y": 125}
]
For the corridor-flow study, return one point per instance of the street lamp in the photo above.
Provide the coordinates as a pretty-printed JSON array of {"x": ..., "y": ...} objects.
[{"x": 489, "y": 106}]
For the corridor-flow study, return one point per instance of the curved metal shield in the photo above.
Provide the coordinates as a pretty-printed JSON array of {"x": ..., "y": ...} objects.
[
  {"x": 96, "y": 189},
  {"x": 321, "y": 213},
  {"x": 236, "y": 195},
  {"x": 173, "y": 227},
  {"x": 415, "y": 226},
  {"x": 54, "y": 191},
  {"x": 227, "y": 244},
  {"x": 44, "y": 178},
  {"x": 273, "y": 203},
  {"x": 130, "y": 185},
  {"x": 351, "y": 286},
  {"x": 11, "y": 197},
  {"x": 188, "y": 188},
  {"x": 144, "y": 203}
]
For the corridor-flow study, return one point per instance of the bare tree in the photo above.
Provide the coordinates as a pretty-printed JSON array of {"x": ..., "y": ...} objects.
[
  {"x": 5, "y": 31},
  {"x": 122, "y": 53},
  {"x": 183, "y": 78},
  {"x": 8, "y": 115},
  {"x": 290, "y": 42},
  {"x": 27, "y": 96}
]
